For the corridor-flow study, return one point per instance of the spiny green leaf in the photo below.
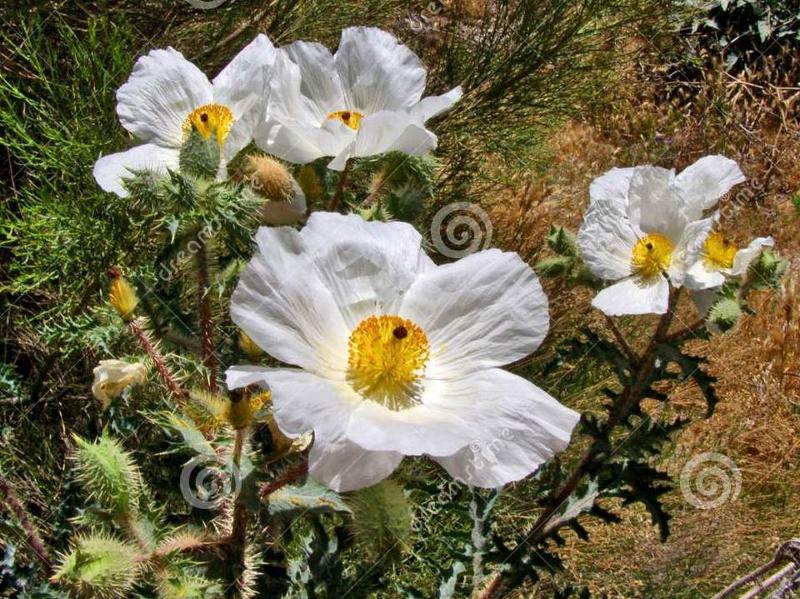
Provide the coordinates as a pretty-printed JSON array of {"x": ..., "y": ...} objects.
[
  {"x": 309, "y": 496},
  {"x": 100, "y": 566},
  {"x": 109, "y": 474}
]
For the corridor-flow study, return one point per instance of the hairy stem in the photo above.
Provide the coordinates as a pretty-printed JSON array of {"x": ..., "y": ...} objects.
[
  {"x": 237, "y": 542},
  {"x": 204, "y": 309},
  {"x": 158, "y": 360},
  {"x": 631, "y": 395},
  {"x": 340, "y": 185},
  {"x": 290, "y": 476},
  {"x": 34, "y": 539}
]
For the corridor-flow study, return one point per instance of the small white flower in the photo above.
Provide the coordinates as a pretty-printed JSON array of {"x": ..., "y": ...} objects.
[
  {"x": 111, "y": 378},
  {"x": 398, "y": 356},
  {"x": 364, "y": 100},
  {"x": 720, "y": 258},
  {"x": 166, "y": 95},
  {"x": 645, "y": 228}
]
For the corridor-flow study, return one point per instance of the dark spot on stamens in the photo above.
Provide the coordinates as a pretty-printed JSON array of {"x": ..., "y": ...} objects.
[
  {"x": 725, "y": 241},
  {"x": 400, "y": 332},
  {"x": 204, "y": 117},
  {"x": 345, "y": 116},
  {"x": 648, "y": 245}
]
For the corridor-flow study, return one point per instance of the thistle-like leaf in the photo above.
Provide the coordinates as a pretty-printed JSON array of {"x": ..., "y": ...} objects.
[
  {"x": 381, "y": 518},
  {"x": 109, "y": 474},
  {"x": 311, "y": 496},
  {"x": 99, "y": 567}
]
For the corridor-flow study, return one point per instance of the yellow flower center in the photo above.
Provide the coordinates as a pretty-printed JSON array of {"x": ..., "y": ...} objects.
[
  {"x": 351, "y": 118},
  {"x": 718, "y": 251},
  {"x": 652, "y": 255},
  {"x": 387, "y": 355},
  {"x": 208, "y": 120}
]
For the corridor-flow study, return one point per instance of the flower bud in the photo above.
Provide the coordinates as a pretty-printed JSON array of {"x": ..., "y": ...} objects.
[
  {"x": 200, "y": 156},
  {"x": 725, "y": 314},
  {"x": 562, "y": 241},
  {"x": 270, "y": 179},
  {"x": 767, "y": 271},
  {"x": 122, "y": 296}
]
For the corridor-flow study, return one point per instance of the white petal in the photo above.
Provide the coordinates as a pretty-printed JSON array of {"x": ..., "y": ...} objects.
[
  {"x": 287, "y": 102},
  {"x": 704, "y": 182},
  {"x": 652, "y": 206},
  {"x": 689, "y": 248},
  {"x": 387, "y": 131},
  {"x": 319, "y": 80},
  {"x": 519, "y": 433},
  {"x": 299, "y": 143},
  {"x": 367, "y": 266},
  {"x": 606, "y": 239},
  {"x": 344, "y": 466},
  {"x": 468, "y": 413},
  {"x": 612, "y": 187},
  {"x": 485, "y": 310},
  {"x": 699, "y": 276},
  {"x": 432, "y": 106},
  {"x": 242, "y": 87},
  {"x": 377, "y": 71},
  {"x": 746, "y": 255},
  {"x": 162, "y": 90},
  {"x": 282, "y": 305},
  {"x": 634, "y": 296},
  {"x": 110, "y": 171}
]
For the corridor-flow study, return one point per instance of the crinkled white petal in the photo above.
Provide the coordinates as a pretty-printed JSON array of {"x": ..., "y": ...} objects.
[
  {"x": 699, "y": 276},
  {"x": 652, "y": 205},
  {"x": 300, "y": 144},
  {"x": 521, "y": 428},
  {"x": 388, "y": 131},
  {"x": 606, "y": 239},
  {"x": 485, "y": 310},
  {"x": 634, "y": 296},
  {"x": 612, "y": 188},
  {"x": 433, "y": 106},
  {"x": 285, "y": 308},
  {"x": 367, "y": 266},
  {"x": 162, "y": 90},
  {"x": 242, "y": 87},
  {"x": 320, "y": 82},
  {"x": 469, "y": 412},
  {"x": 344, "y": 466},
  {"x": 377, "y": 71},
  {"x": 110, "y": 171},
  {"x": 689, "y": 248},
  {"x": 700, "y": 185},
  {"x": 287, "y": 101},
  {"x": 745, "y": 256}
]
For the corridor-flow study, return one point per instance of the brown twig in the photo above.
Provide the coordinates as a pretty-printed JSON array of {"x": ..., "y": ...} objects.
[
  {"x": 158, "y": 360},
  {"x": 290, "y": 476},
  {"x": 204, "y": 309},
  {"x": 620, "y": 410},
  {"x": 337, "y": 196},
  {"x": 34, "y": 539},
  {"x": 632, "y": 356}
]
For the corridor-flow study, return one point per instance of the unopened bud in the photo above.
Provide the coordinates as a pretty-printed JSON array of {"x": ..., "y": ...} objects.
[
  {"x": 725, "y": 313},
  {"x": 122, "y": 296},
  {"x": 269, "y": 178},
  {"x": 562, "y": 241},
  {"x": 200, "y": 156}
]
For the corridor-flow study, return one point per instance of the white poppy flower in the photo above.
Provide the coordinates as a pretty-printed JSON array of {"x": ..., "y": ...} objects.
[
  {"x": 111, "y": 378},
  {"x": 645, "y": 228},
  {"x": 364, "y": 100},
  {"x": 166, "y": 95},
  {"x": 398, "y": 356},
  {"x": 720, "y": 258}
]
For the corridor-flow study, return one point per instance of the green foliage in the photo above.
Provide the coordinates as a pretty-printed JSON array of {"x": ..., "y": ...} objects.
[
  {"x": 567, "y": 262},
  {"x": 309, "y": 497},
  {"x": 381, "y": 519},
  {"x": 100, "y": 567},
  {"x": 109, "y": 475}
]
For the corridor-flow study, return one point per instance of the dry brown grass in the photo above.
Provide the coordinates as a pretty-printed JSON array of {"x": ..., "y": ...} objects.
[{"x": 657, "y": 120}]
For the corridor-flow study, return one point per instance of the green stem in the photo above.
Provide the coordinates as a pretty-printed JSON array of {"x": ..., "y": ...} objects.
[
  {"x": 340, "y": 185},
  {"x": 204, "y": 309}
]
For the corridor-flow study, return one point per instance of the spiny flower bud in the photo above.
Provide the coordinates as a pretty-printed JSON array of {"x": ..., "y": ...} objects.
[
  {"x": 122, "y": 296},
  {"x": 562, "y": 241},
  {"x": 767, "y": 271},
  {"x": 200, "y": 156},
  {"x": 249, "y": 347},
  {"x": 725, "y": 314},
  {"x": 269, "y": 178}
]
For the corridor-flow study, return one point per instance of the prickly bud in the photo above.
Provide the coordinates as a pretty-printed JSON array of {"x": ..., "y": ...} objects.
[{"x": 122, "y": 295}]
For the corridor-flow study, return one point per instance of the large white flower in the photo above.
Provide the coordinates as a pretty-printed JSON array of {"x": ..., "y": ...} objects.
[
  {"x": 364, "y": 100},
  {"x": 645, "y": 228},
  {"x": 166, "y": 95},
  {"x": 398, "y": 356}
]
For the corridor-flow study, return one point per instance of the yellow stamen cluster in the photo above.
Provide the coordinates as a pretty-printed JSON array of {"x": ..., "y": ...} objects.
[
  {"x": 123, "y": 298},
  {"x": 651, "y": 255},
  {"x": 387, "y": 356},
  {"x": 718, "y": 251},
  {"x": 208, "y": 120},
  {"x": 351, "y": 118}
]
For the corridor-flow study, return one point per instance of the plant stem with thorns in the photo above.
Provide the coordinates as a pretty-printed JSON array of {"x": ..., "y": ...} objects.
[
  {"x": 204, "y": 308},
  {"x": 34, "y": 539},
  {"x": 158, "y": 360}
]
